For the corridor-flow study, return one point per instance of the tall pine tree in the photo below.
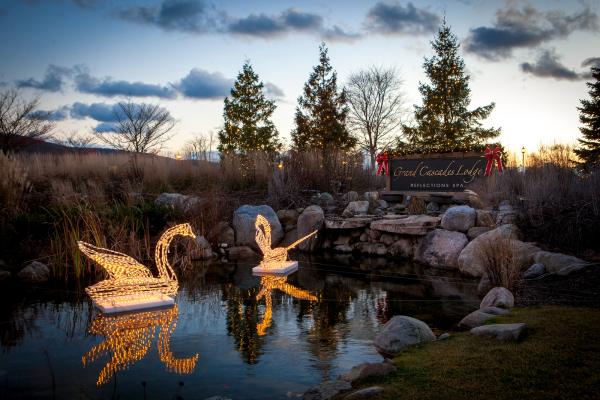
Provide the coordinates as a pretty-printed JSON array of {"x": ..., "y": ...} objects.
[
  {"x": 443, "y": 122},
  {"x": 247, "y": 114},
  {"x": 322, "y": 110},
  {"x": 589, "y": 116}
]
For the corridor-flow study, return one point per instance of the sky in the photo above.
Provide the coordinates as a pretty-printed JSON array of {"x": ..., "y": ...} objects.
[{"x": 82, "y": 57}]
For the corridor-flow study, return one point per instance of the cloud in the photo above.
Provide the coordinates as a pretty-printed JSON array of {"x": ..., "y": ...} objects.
[
  {"x": 393, "y": 18},
  {"x": 337, "y": 34},
  {"x": 174, "y": 15},
  {"x": 101, "y": 112},
  {"x": 548, "y": 65},
  {"x": 591, "y": 62},
  {"x": 263, "y": 25},
  {"x": 53, "y": 81},
  {"x": 201, "y": 84},
  {"x": 106, "y": 127},
  {"x": 107, "y": 87},
  {"x": 273, "y": 91},
  {"x": 526, "y": 28},
  {"x": 59, "y": 114}
]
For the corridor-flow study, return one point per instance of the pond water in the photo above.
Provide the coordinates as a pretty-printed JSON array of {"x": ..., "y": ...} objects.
[{"x": 219, "y": 339}]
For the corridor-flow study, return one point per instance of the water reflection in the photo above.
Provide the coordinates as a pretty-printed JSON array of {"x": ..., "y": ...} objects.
[{"x": 128, "y": 338}]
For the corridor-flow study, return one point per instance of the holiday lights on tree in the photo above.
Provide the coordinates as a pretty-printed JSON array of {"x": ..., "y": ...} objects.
[{"x": 131, "y": 285}]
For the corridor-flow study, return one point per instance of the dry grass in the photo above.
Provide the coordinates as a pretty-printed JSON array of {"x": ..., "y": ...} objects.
[
  {"x": 500, "y": 262},
  {"x": 14, "y": 184},
  {"x": 416, "y": 206}
]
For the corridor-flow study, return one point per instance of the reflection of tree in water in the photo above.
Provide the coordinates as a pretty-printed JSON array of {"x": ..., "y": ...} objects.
[
  {"x": 328, "y": 324},
  {"x": 242, "y": 317}
]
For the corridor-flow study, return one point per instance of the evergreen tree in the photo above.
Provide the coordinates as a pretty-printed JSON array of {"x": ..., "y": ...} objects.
[
  {"x": 589, "y": 115},
  {"x": 321, "y": 111},
  {"x": 443, "y": 122},
  {"x": 247, "y": 114}
]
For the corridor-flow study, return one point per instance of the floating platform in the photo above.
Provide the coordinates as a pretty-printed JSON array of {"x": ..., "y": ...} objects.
[
  {"x": 277, "y": 269},
  {"x": 119, "y": 304}
]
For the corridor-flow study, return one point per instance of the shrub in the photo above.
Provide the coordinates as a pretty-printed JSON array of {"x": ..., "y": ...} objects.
[{"x": 499, "y": 259}]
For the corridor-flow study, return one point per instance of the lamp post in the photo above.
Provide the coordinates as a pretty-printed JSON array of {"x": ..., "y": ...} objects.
[{"x": 523, "y": 158}]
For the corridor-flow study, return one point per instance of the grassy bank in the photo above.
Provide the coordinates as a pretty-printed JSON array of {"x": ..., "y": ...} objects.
[{"x": 560, "y": 359}]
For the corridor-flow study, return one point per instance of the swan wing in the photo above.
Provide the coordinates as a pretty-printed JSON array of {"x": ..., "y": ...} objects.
[
  {"x": 118, "y": 265},
  {"x": 263, "y": 234}
]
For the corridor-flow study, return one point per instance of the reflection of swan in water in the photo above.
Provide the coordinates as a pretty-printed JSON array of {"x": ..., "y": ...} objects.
[
  {"x": 127, "y": 277},
  {"x": 267, "y": 285},
  {"x": 129, "y": 337},
  {"x": 263, "y": 239}
]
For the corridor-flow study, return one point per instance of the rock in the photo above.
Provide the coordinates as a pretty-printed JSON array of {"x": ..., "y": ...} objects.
[
  {"x": 203, "y": 250},
  {"x": 241, "y": 253},
  {"x": 470, "y": 260},
  {"x": 4, "y": 275},
  {"x": 536, "y": 270},
  {"x": 394, "y": 216},
  {"x": 356, "y": 208},
  {"x": 475, "y": 319},
  {"x": 350, "y": 196},
  {"x": 376, "y": 249},
  {"x": 494, "y": 310},
  {"x": 485, "y": 218},
  {"x": 433, "y": 207},
  {"x": 498, "y": 297},
  {"x": 476, "y": 231},
  {"x": 342, "y": 239},
  {"x": 326, "y": 390},
  {"x": 505, "y": 217},
  {"x": 365, "y": 393},
  {"x": 35, "y": 272},
  {"x": 288, "y": 217},
  {"x": 501, "y": 331},
  {"x": 484, "y": 286},
  {"x": 560, "y": 264},
  {"x": 178, "y": 201},
  {"x": 460, "y": 218},
  {"x": 311, "y": 219},
  {"x": 382, "y": 203},
  {"x": 374, "y": 236},
  {"x": 368, "y": 370},
  {"x": 444, "y": 336},
  {"x": 505, "y": 206},
  {"x": 441, "y": 248},
  {"x": 411, "y": 225},
  {"x": 223, "y": 233},
  {"x": 348, "y": 223},
  {"x": 403, "y": 247},
  {"x": 343, "y": 248},
  {"x": 244, "y": 219},
  {"x": 371, "y": 196},
  {"x": 363, "y": 237},
  {"x": 387, "y": 239},
  {"x": 290, "y": 237},
  {"x": 322, "y": 199},
  {"x": 401, "y": 332}
]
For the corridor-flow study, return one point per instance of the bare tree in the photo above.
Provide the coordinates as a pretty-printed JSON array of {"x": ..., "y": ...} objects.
[
  {"x": 141, "y": 128},
  {"x": 198, "y": 148},
  {"x": 78, "y": 140},
  {"x": 20, "y": 120},
  {"x": 376, "y": 107}
]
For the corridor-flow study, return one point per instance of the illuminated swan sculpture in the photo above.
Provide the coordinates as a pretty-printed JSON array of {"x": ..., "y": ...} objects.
[
  {"x": 263, "y": 239},
  {"x": 267, "y": 285},
  {"x": 128, "y": 338},
  {"x": 130, "y": 281}
]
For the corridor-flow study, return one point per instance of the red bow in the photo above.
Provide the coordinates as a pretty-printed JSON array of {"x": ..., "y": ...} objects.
[
  {"x": 382, "y": 163},
  {"x": 491, "y": 156}
]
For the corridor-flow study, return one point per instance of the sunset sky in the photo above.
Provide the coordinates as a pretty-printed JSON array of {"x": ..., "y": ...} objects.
[{"x": 84, "y": 56}]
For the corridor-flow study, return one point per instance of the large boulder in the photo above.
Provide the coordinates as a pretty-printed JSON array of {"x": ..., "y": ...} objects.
[
  {"x": 178, "y": 201},
  {"x": 440, "y": 248},
  {"x": 311, "y": 219},
  {"x": 374, "y": 249},
  {"x": 35, "y": 272},
  {"x": 223, "y": 233},
  {"x": 368, "y": 370},
  {"x": 326, "y": 390},
  {"x": 476, "y": 231},
  {"x": 485, "y": 218},
  {"x": 470, "y": 260},
  {"x": 501, "y": 331},
  {"x": 202, "y": 250},
  {"x": 348, "y": 223},
  {"x": 350, "y": 196},
  {"x": 401, "y": 332},
  {"x": 560, "y": 264},
  {"x": 475, "y": 319},
  {"x": 535, "y": 271},
  {"x": 241, "y": 253},
  {"x": 404, "y": 247},
  {"x": 244, "y": 219},
  {"x": 288, "y": 217},
  {"x": 356, "y": 208},
  {"x": 459, "y": 218},
  {"x": 412, "y": 225},
  {"x": 322, "y": 199},
  {"x": 499, "y": 297},
  {"x": 365, "y": 393}
]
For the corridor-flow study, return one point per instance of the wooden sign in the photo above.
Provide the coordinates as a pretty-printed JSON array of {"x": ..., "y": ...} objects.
[{"x": 435, "y": 172}]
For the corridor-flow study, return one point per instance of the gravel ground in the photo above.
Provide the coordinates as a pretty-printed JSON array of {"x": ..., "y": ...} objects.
[{"x": 578, "y": 289}]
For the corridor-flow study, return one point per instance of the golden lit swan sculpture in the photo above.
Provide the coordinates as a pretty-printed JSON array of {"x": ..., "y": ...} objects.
[
  {"x": 131, "y": 285},
  {"x": 263, "y": 240}
]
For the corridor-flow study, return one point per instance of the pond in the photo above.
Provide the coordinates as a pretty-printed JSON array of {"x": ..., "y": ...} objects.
[{"x": 219, "y": 339}]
